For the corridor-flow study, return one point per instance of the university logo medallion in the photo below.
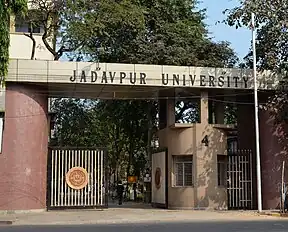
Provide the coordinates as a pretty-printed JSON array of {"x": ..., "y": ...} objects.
[
  {"x": 157, "y": 178},
  {"x": 77, "y": 178}
]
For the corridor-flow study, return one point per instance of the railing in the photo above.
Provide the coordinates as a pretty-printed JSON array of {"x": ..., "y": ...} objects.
[{"x": 239, "y": 178}]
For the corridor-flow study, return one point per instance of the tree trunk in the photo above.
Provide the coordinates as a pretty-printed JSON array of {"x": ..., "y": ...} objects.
[
  {"x": 149, "y": 135},
  {"x": 30, "y": 35},
  {"x": 131, "y": 149}
]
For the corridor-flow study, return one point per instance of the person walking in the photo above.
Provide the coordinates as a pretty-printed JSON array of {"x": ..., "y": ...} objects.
[{"x": 120, "y": 190}]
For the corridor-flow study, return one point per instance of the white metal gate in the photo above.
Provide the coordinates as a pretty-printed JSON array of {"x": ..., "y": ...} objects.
[
  {"x": 88, "y": 170},
  {"x": 240, "y": 179}
]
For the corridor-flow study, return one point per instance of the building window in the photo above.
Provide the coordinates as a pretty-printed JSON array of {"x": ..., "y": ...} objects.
[
  {"x": 34, "y": 27},
  {"x": 21, "y": 25},
  {"x": 222, "y": 162},
  {"x": 183, "y": 170}
]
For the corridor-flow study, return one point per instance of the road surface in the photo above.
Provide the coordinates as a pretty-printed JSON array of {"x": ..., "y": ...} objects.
[{"x": 212, "y": 226}]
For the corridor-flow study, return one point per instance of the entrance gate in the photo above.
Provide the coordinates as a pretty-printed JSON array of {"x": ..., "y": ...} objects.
[
  {"x": 76, "y": 178},
  {"x": 239, "y": 179}
]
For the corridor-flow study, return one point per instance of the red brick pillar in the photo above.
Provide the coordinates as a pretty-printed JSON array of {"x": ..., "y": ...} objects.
[
  {"x": 273, "y": 151},
  {"x": 23, "y": 162},
  {"x": 246, "y": 123}
]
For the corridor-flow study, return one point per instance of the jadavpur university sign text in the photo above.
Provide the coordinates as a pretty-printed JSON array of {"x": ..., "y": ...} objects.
[
  {"x": 166, "y": 79},
  {"x": 134, "y": 74}
]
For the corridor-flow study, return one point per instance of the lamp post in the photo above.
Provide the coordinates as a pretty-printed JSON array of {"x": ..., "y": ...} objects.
[{"x": 258, "y": 164}]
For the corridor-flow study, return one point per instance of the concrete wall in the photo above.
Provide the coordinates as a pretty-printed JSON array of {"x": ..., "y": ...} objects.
[
  {"x": 186, "y": 139},
  {"x": 209, "y": 194},
  {"x": 179, "y": 142}
]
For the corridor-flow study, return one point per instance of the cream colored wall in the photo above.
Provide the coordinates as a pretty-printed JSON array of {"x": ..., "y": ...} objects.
[
  {"x": 186, "y": 139},
  {"x": 21, "y": 47},
  {"x": 180, "y": 142},
  {"x": 162, "y": 135},
  {"x": 208, "y": 193}
]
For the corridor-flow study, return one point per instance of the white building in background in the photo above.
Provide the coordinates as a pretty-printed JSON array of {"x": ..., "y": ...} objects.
[{"x": 21, "y": 46}]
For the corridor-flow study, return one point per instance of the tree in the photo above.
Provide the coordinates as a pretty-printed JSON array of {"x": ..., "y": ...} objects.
[
  {"x": 157, "y": 32},
  {"x": 107, "y": 27},
  {"x": 271, "y": 26},
  {"x": 75, "y": 123},
  {"x": 6, "y": 8},
  {"x": 271, "y": 47}
]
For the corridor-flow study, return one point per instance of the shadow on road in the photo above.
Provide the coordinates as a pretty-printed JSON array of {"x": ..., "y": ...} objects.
[{"x": 208, "y": 226}]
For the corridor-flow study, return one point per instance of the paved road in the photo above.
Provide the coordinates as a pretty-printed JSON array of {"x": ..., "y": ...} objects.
[{"x": 213, "y": 226}]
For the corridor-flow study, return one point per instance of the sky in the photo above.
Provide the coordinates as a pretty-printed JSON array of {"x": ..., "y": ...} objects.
[{"x": 240, "y": 39}]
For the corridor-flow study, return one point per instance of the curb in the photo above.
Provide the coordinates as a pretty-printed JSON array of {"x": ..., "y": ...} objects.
[
  {"x": 5, "y": 223},
  {"x": 273, "y": 214}
]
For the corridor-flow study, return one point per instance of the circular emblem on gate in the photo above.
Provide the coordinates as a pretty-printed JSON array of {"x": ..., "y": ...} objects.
[
  {"x": 77, "y": 178},
  {"x": 157, "y": 178}
]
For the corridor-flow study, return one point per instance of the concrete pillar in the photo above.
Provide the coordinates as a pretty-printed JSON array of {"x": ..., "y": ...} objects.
[
  {"x": 162, "y": 114},
  {"x": 211, "y": 116},
  {"x": 245, "y": 123},
  {"x": 207, "y": 193},
  {"x": 166, "y": 108},
  {"x": 204, "y": 108},
  {"x": 166, "y": 113},
  {"x": 170, "y": 112},
  {"x": 273, "y": 151},
  {"x": 23, "y": 163},
  {"x": 201, "y": 151},
  {"x": 219, "y": 112}
]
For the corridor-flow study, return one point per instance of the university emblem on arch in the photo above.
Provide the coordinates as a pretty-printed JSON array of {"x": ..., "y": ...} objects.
[
  {"x": 77, "y": 178},
  {"x": 158, "y": 177}
]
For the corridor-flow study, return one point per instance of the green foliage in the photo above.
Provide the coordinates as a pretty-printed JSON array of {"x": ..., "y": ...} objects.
[
  {"x": 75, "y": 123},
  {"x": 271, "y": 46},
  {"x": 187, "y": 111},
  {"x": 148, "y": 32},
  {"x": 104, "y": 27},
  {"x": 271, "y": 24},
  {"x": 7, "y": 7}
]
